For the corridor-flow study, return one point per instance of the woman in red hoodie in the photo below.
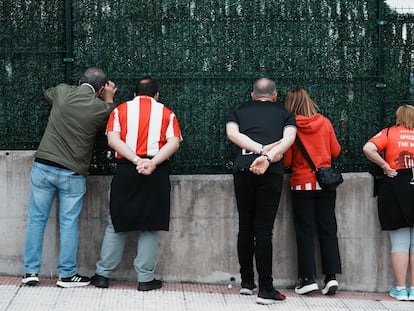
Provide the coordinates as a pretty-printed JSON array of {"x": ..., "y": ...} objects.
[{"x": 313, "y": 208}]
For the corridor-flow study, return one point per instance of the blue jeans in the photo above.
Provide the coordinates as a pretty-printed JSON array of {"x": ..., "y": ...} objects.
[
  {"x": 45, "y": 182},
  {"x": 113, "y": 248}
]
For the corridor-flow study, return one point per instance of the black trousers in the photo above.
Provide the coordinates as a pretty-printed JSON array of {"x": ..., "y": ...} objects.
[
  {"x": 257, "y": 199},
  {"x": 314, "y": 213}
]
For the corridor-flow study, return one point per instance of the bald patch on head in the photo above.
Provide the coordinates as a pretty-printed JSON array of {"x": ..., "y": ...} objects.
[{"x": 264, "y": 89}]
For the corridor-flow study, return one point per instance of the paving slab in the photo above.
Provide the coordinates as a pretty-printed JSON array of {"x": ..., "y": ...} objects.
[{"x": 123, "y": 296}]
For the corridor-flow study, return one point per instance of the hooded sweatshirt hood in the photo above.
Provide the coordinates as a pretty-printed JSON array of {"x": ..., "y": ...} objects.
[
  {"x": 318, "y": 137},
  {"x": 309, "y": 125}
]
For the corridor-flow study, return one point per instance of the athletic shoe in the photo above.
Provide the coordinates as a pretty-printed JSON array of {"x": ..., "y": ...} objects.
[
  {"x": 330, "y": 287},
  {"x": 247, "y": 288},
  {"x": 411, "y": 294},
  {"x": 151, "y": 285},
  {"x": 31, "y": 279},
  {"x": 269, "y": 296},
  {"x": 305, "y": 286},
  {"x": 73, "y": 281},
  {"x": 399, "y": 294},
  {"x": 100, "y": 281}
]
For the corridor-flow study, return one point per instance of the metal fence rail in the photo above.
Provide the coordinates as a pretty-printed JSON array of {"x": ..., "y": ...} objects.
[{"x": 355, "y": 58}]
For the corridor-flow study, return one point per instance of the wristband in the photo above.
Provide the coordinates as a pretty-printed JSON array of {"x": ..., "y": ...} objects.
[{"x": 267, "y": 158}]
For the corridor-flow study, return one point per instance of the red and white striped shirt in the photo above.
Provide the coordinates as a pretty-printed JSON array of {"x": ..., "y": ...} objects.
[{"x": 144, "y": 125}]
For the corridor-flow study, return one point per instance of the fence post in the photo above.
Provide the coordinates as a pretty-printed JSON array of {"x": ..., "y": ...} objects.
[
  {"x": 68, "y": 59},
  {"x": 380, "y": 85}
]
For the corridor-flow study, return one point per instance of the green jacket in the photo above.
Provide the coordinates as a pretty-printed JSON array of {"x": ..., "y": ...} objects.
[{"x": 74, "y": 120}]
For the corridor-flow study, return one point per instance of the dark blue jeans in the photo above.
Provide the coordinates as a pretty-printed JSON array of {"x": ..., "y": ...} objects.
[
  {"x": 314, "y": 213},
  {"x": 257, "y": 199}
]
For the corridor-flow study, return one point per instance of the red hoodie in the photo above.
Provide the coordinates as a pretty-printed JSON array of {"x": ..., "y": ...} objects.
[{"x": 319, "y": 139}]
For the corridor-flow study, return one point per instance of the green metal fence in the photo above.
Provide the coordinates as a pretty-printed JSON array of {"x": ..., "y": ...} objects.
[{"x": 355, "y": 58}]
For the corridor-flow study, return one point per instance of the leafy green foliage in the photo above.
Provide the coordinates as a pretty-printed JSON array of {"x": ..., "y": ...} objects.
[{"x": 206, "y": 55}]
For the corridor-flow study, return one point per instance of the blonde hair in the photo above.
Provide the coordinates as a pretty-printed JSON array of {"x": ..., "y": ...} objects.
[
  {"x": 299, "y": 102},
  {"x": 405, "y": 116}
]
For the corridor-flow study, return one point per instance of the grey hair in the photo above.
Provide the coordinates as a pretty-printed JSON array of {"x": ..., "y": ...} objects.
[
  {"x": 264, "y": 87},
  {"x": 95, "y": 77}
]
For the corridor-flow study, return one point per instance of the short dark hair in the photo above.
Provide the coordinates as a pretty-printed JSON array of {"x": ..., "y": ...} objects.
[
  {"x": 95, "y": 77},
  {"x": 146, "y": 86}
]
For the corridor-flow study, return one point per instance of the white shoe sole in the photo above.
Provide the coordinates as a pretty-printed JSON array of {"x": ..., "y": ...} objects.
[
  {"x": 31, "y": 280},
  {"x": 71, "y": 284},
  {"x": 246, "y": 291},
  {"x": 401, "y": 298},
  {"x": 306, "y": 289},
  {"x": 330, "y": 288},
  {"x": 263, "y": 301}
]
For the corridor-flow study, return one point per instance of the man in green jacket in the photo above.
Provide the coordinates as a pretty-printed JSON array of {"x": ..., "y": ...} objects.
[{"x": 60, "y": 167}]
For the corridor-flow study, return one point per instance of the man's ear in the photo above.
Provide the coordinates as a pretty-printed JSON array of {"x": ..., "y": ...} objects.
[
  {"x": 100, "y": 91},
  {"x": 157, "y": 95},
  {"x": 252, "y": 96}
]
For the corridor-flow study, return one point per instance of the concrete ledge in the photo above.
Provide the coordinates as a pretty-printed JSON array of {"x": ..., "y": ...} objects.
[{"x": 201, "y": 243}]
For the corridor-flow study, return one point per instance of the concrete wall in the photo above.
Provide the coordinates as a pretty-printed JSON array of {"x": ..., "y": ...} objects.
[{"x": 201, "y": 243}]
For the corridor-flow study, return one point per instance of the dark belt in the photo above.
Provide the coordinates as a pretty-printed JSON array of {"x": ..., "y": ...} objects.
[{"x": 50, "y": 163}]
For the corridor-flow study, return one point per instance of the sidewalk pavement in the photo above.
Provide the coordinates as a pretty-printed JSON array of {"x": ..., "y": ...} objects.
[{"x": 123, "y": 296}]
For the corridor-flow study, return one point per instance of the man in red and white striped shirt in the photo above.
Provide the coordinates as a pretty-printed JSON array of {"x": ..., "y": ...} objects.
[{"x": 144, "y": 134}]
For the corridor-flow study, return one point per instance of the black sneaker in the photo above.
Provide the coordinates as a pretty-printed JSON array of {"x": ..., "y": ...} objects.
[
  {"x": 306, "y": 285},
  {"x": 331, "y": 285},
  {"x": 31, "y": 279},
  {"x": 146, "y": 286},
  {"x": 269, "y": 296},
  {"x": 100, "y": 281},
  {"x": 73, "y": 281},
  {"x": 247, "y": 288}
]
